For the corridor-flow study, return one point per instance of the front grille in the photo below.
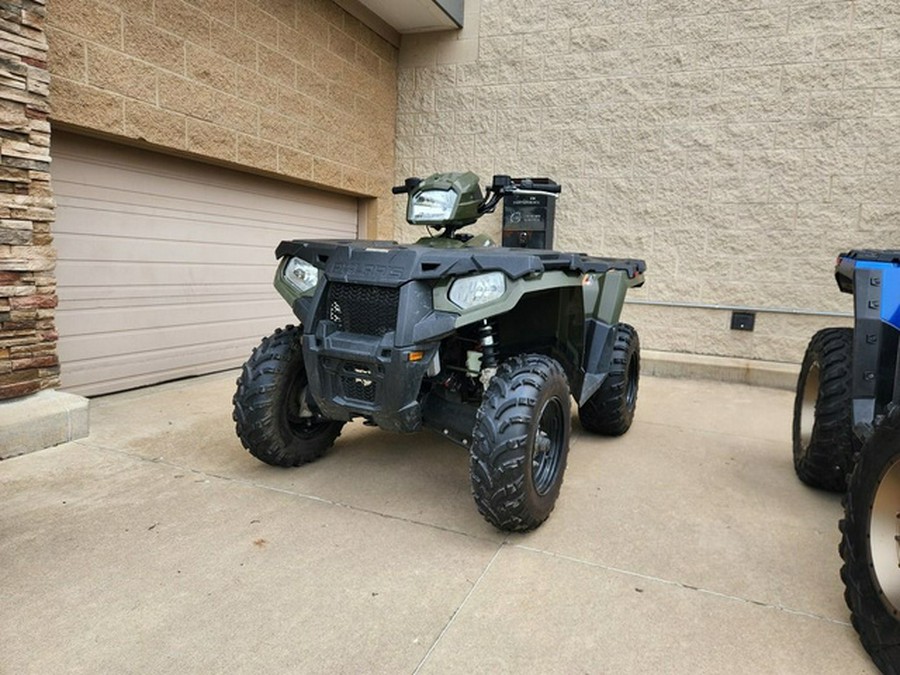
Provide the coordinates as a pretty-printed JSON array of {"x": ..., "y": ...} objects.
[
  {"x": 357, "y": 308},
  {"x": 357, "y": 382},
  {"x": 359, "y": 390}
]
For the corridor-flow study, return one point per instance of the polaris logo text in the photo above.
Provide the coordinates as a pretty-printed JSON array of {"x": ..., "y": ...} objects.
[{"x": 368, "y": 271}]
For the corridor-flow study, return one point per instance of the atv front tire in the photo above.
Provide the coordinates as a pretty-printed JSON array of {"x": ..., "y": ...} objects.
[
  {"x": 610, "y": 410},
  {"x": 823, "y": 411},
  {"x": 870, "y": 548},
  {"x": 520, "y": 443},
  {"x": 271, "y": 416}
]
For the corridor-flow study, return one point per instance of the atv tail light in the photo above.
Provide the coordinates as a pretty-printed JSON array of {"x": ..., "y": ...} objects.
[
  {"x": 301, "y": 275},
  {"x": 416, "y": 356},
  {"x": 480, "y": 289}
]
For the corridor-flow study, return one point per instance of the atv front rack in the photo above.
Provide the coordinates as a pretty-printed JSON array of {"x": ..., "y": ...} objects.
[{"x": 387, "y": 263}]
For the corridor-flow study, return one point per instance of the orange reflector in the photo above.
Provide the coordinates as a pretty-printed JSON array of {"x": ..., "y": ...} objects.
[{"x": 416, "y": 356}]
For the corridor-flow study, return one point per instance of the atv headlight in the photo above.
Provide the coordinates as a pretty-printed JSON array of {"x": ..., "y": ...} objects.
[
  {"x": 301, "y": 275},
  {"x": 432, "y": 206},
  {"x": 469, "y": 292}
]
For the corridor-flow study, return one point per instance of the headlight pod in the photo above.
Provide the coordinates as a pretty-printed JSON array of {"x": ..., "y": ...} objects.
[
  {"x": 468, "y": 292},
  {"x": 301, "y": 275},
  {"x": 432, "y": 206}
]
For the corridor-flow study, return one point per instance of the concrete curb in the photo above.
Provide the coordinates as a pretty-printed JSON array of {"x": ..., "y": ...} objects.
[
  {"x": 723, "y": 369},
  {"x": 41, "y": 421}
]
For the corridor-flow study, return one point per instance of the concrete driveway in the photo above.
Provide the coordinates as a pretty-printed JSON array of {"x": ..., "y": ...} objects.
[{"x": 158, "y": 545}]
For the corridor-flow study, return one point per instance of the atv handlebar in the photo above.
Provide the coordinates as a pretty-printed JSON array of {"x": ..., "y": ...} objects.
[
  {"x": 533, "y": 185},
  {"x": 504, "y": 185},
  {"x": 408, "y": 186}
]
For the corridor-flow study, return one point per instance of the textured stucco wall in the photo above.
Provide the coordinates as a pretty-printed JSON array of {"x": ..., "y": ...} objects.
[
  {"x": 736, "y": 145},
  {"x": 296, "y": 88}
]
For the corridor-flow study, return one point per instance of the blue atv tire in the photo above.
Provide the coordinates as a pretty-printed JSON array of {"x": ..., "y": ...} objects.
[
  {"x": 869, "y": 547},
  {"x": 823, "y": 411}
]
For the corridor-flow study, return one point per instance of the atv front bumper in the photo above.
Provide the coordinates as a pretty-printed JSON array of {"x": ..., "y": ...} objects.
[{"x": 353, "y": 375}]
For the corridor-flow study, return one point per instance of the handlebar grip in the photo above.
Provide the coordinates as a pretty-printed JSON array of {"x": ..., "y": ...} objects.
[
  {"x": 536, "y": 185},
  {"x": 408, "y": 186}
]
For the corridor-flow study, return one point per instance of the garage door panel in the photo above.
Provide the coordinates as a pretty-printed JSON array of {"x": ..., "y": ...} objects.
[
  {"x": 163, "y": 316},
  {"x": 105, "y": 345},
  {"x": 117, "y": 249},
  {"x": 85, "y": 297},
  {"x": 199, "y": 275},
  {"x": 255, "y": 209},
  {"x": 241, "y": 226},
  {"x": 133, "y": 370},
  {"x": 165, "y": 265}
]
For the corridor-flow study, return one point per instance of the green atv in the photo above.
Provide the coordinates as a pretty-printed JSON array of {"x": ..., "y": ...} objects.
[{"x": 483, "y": 345}]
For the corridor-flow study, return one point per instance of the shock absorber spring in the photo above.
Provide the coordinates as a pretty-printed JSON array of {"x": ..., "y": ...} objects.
[{"x": 489, "y": 353}]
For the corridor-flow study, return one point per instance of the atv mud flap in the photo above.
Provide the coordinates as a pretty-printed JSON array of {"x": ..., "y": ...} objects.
[
  {"x": 353, "y": 375},
  {"x": 600, "y": 339}
]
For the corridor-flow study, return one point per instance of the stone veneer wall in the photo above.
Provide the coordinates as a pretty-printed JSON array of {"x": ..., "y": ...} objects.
[
  {"x": 298, "y": 89},
  {"x": 737, "y": 145},
  {"x": 28, "y": 361}
]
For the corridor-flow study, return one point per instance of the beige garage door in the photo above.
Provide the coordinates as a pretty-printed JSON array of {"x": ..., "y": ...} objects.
[{"x": 165, "y": 265}]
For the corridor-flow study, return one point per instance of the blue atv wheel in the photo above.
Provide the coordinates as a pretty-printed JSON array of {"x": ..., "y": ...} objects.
[{"x": 870, "y": 547}]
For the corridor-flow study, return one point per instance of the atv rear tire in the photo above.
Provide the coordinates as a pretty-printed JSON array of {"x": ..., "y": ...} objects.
[
  {"x": 269, "y": 418},
  {"x": 823, "y": 411},
  {"x": 869, "y": 548},
  {"x": 610, "y": 410},
  {"x": 521, "y": 442}
]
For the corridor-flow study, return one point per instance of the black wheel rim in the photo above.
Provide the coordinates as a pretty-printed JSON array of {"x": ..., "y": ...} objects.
[
  {"x": 302, "y": 426},
  {"x": 547, "y": 446},
  {"x": 807, "y": 410},
  {"x": 631, "y": 386},
  {"x": 884, "y": 537}
]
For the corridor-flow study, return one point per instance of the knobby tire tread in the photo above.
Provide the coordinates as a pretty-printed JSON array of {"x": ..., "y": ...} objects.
[
  {"x": 828, "y": 458},
  {"x": 879, "y": 630},
  {"x": 258, "y": 408},
  {"x": 499, "y": 459},
  {"x": 607, "y": 411}
]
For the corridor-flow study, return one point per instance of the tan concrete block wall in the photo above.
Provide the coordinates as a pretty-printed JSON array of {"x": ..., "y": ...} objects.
[
  {"x": 737, "y": 147},
  {"x": 297, "y": 88}
]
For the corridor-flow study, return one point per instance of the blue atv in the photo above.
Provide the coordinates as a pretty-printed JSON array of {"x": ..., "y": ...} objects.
[{"x": 846, "y": 436}]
